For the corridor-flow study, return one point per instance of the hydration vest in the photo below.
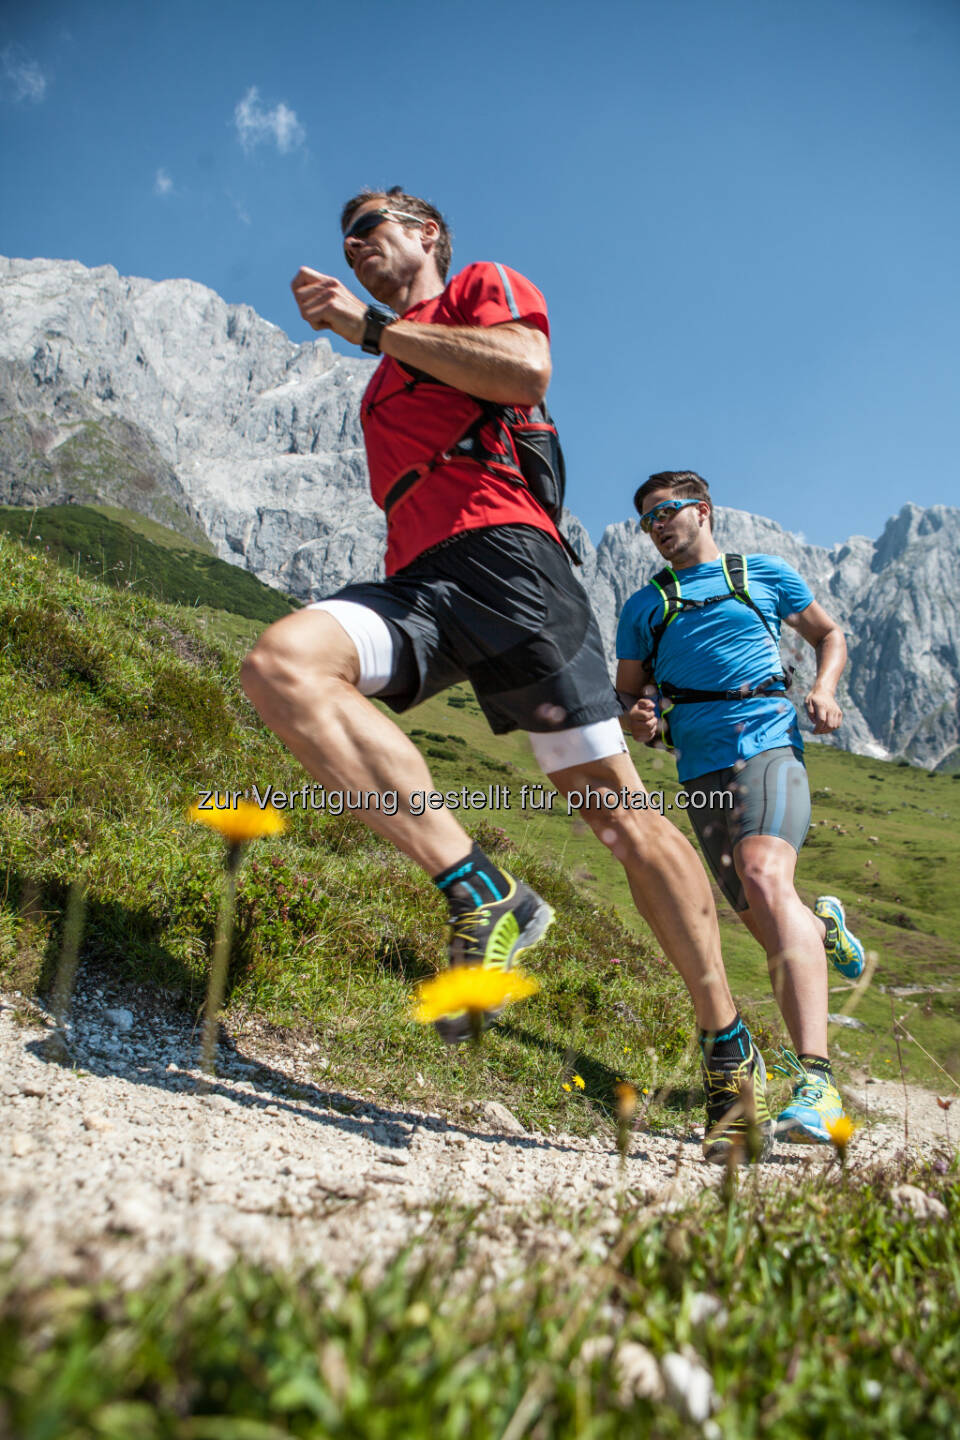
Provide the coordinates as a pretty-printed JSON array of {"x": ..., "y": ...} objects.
[
  {"x": 675, "y": 603},
  {"x": 530, "y": 452}
]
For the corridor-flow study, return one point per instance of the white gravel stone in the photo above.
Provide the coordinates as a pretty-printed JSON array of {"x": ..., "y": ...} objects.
[
  {"x": 704, "y": 1307},
  {"x": 120, "y": 1018},
  {"x": 501, "y": 1118},
  {"x": 918, "y": 1203},
  {"x": 638, "y": 1374},
  {"x": 689, "y": 1386}
]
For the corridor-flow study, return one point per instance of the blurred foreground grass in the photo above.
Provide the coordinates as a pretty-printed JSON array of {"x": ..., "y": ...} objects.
[{"x": 820, "y": 1311}]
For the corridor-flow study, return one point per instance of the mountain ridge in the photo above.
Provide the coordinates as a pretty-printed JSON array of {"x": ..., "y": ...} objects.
[{"x": 161, "y": 397}]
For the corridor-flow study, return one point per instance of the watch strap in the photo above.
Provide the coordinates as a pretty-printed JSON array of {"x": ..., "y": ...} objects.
[{"x": 376, "y": 320}]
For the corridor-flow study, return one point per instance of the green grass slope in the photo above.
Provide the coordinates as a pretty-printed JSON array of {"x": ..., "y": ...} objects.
[
  {"x": 116, "y": 711},
  {"x": 103, "y": 543}
]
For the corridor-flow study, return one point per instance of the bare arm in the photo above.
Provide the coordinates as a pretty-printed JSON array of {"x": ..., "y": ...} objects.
[
  {"x": 509, "y": 364},
  {"x": 825, "y": 635},
  {"x": 635, "y": 688}
]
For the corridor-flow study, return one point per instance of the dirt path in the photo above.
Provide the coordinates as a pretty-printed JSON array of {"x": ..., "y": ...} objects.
[{"x": 122, "y": 1162}]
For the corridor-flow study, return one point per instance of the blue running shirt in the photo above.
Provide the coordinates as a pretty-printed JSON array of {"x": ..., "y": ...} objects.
[{"x": 719, "y": 648}]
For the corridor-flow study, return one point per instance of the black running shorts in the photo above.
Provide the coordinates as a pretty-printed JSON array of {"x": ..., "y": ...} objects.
[
  {"x": 770, "y": 796},
  {"x": 501, "y": 608}
]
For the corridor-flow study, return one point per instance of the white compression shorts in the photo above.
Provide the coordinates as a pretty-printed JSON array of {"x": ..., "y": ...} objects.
[{"x": 376, "y": 649}]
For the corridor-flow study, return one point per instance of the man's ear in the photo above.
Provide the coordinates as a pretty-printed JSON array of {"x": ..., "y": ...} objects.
[{"x": 429, "y": 234}]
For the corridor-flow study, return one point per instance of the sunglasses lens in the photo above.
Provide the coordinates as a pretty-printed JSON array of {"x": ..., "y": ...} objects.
[
  {"x": 363, "y": 225},
  {"x": 664, "y": 511}
]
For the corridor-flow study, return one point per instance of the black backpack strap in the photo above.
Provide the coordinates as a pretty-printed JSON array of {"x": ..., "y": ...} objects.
[
  {"x": 773, "y": 685},
  {"x": 668, "y": 583},
  {"x": 735, "y": 574}
]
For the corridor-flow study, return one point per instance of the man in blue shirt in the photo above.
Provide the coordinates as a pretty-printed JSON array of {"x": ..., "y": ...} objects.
[{"x": 704, "y": 638}]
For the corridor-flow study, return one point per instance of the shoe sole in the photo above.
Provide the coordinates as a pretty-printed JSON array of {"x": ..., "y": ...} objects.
[
  {"x": 850, "y": 969},
  {"x": 795, "y": 1134},
  {"x": 719, "y": 1151},
  {"x": 534, "y": 931},
  {"x": 453, "y": 1030}
]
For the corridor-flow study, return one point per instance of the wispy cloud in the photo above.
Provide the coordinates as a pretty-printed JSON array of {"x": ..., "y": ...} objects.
[
  {"x": 162, "y": 185},
  {"x": 22, "y": 76},
  {"x": 239, "y": 209},
  {"x": 255, "y": 124}
]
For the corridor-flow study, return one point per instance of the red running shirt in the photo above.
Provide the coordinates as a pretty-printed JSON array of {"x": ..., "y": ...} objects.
[{"x": 407, "y": 429}]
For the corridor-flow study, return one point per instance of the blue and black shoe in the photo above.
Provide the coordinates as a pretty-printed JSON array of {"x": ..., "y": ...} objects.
[{"x": 843, "y": 948}]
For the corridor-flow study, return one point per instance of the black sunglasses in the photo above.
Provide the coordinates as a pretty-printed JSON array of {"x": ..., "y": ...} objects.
[{"x": 366, "y": 223}]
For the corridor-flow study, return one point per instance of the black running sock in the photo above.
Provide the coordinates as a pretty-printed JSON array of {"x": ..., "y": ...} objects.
[
  {"x": 472, "y": 882},
  {"x": 732, "y": 1043},
  {"x": 819, "y": 1063}
]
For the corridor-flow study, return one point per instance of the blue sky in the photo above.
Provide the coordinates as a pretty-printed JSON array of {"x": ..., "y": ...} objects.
[{"x": 744, "y": 214}]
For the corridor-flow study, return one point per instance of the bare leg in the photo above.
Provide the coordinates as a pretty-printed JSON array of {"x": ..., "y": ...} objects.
[
  {"x": 301, "y": 676},
  {"x": 667, "y": 882},
  {"x": 790, "y": 934}
]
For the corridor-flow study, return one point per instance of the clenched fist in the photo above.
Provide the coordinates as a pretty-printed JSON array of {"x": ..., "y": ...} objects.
[{"x": 326, "y": 304}]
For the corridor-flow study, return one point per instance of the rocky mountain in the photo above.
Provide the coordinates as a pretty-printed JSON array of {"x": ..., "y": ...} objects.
[{"x": 163, "y": 398}]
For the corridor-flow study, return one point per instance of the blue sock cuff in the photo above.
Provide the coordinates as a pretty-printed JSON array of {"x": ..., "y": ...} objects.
[
  {"x": 733, "y": 1043},
  {"x": 474, "y": 880},
  {"x": 731, "y": 1033}
]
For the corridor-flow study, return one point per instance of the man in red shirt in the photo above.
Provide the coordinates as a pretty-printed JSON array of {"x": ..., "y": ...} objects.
[{"x": 478, "y": 588}]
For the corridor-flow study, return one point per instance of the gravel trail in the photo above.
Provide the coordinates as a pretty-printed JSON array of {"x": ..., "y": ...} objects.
[{"x": 128, "y": 1157}]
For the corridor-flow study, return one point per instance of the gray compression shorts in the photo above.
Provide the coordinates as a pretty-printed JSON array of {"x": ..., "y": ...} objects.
[{"x": 770, "y": 796}]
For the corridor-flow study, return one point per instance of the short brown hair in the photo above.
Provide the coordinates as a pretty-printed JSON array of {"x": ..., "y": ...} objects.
[
  {"x": 685, "y": 484},
  {"x": 400, "y": 200}
]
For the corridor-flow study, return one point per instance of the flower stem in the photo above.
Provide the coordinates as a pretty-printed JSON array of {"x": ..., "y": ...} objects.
[{"x": 221, "y": 958}]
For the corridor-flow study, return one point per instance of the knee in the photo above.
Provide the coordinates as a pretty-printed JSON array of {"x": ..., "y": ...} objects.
[
  {"x": 634, "y": 836},
  {"x": 290, "y": 660},
  {"x": 266, "y": 669},
  {"x": 763, "y": 887}
]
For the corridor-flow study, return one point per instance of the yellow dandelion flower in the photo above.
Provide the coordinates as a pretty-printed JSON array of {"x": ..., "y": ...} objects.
[
  {"x": 241, "y": 822},
  {"x": 469, "y": 987},
  {"x": 841, "y": 1131},
  {"x": 626, "y": 1049},
  {"x": 567, "y": 1087},
  {"x": 579, "y": 1081},
  {"x": 626, "y": 1096}
]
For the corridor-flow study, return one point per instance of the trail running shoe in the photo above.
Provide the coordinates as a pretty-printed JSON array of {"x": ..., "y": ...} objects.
[
  {"x": 815, "y": 1102},
  {"x": 842, "y": 948},
  {"x": 739, "y": 1124},
  {"x": 494, "y": 936}
]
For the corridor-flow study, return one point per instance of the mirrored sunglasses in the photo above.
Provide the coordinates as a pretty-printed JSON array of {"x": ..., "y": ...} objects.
[{"x": 663, "y": 511}]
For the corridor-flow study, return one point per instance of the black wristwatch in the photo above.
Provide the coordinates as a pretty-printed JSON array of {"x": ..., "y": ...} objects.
[{"x": 378, "y": 317}]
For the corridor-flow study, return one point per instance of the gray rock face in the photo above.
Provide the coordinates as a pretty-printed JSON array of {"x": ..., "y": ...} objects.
[{"x": 163, "y": 398}]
